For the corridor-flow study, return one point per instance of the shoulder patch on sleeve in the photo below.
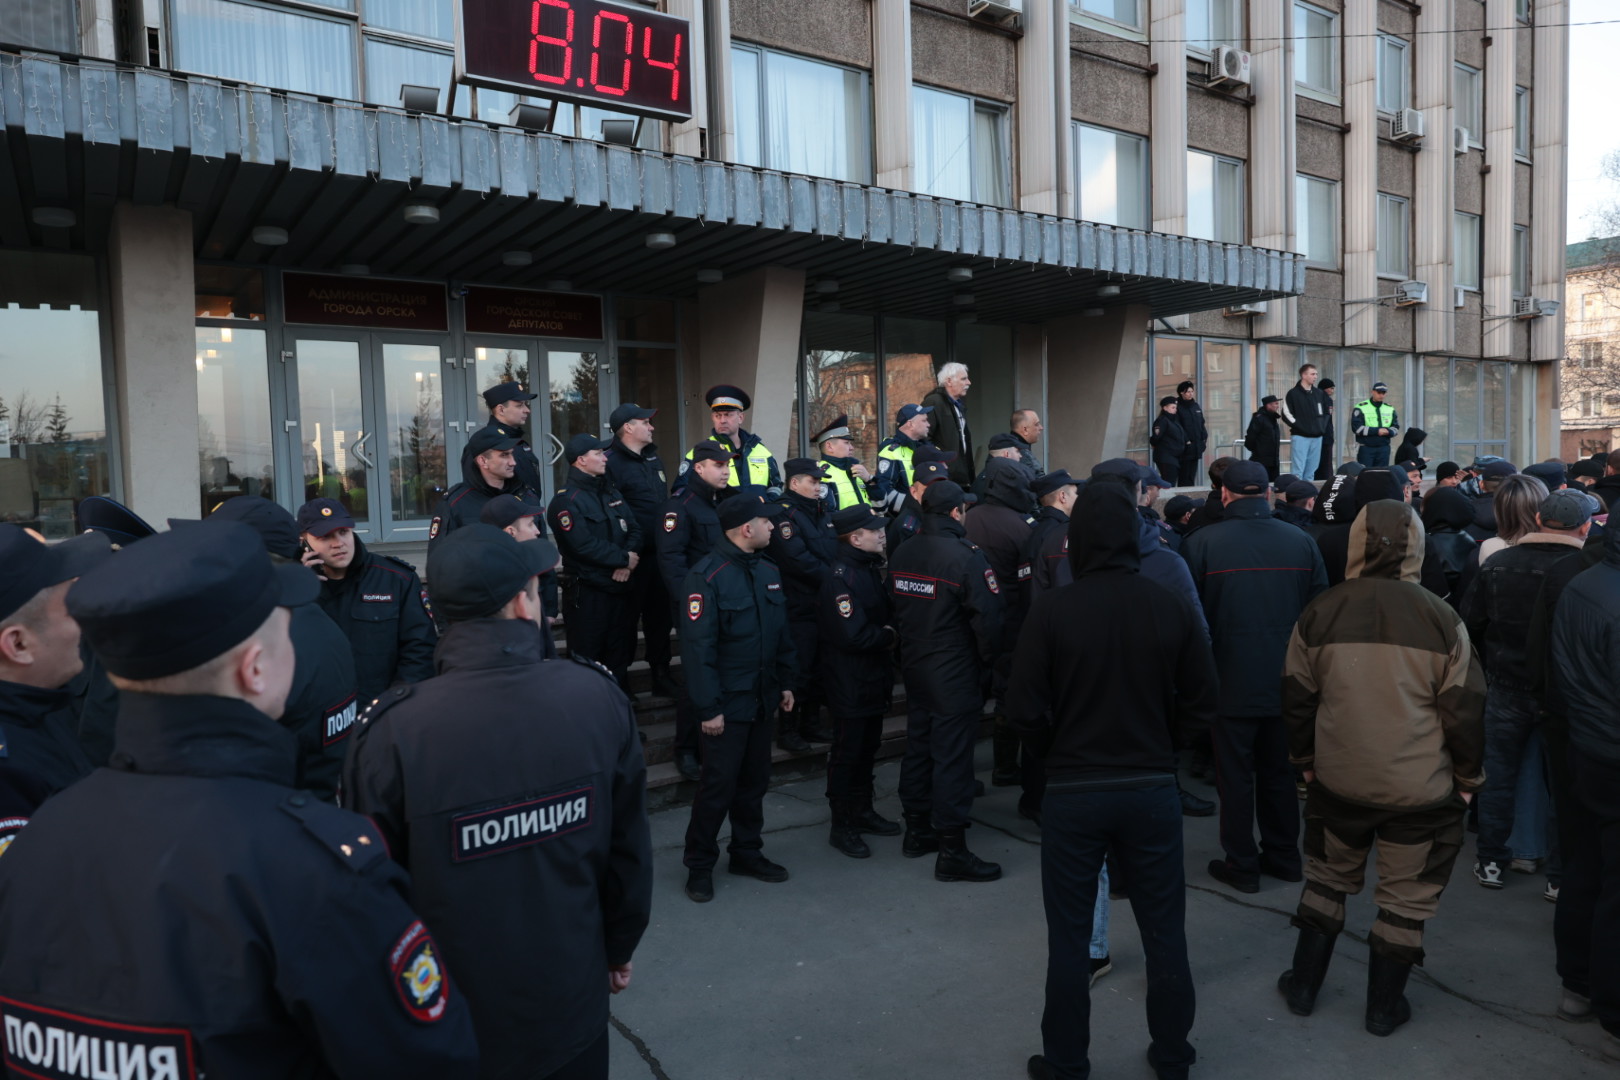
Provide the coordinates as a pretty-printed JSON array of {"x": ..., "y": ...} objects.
[
  {"x": 9, "y": 828},
  {"x": 353, "y": 839},
  {"x": 845, "y": 607},
  {"x": 418, "y": 974},
  {"x": 565, "y": 521},
  {"x": 433, "y": 529},
  {"x": 694, "y": 607},
  {"x": 401, "y": 562},
  {"x": 671, "y": 519},
  {"x": 786, "y": 530},
  {"x": 990, "y": 580}
]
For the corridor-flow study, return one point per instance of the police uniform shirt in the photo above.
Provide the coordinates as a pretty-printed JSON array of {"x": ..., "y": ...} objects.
[
  {"x": 528, "y": 463},
  {"x": 687, "y": 530},
  {"x": 853, "y": 615},
  {"x": 803, "y": 546},
  {"x": 323, "y": 702},
  {"x": 640, "y": 478},
  {"x": 382, "y": 608},
  {"x": 595, "y": 530},
  {"x": 736, "y": 652}
]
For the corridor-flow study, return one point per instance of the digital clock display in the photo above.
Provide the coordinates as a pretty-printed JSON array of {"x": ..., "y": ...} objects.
[{"x": 612, "y": 56}]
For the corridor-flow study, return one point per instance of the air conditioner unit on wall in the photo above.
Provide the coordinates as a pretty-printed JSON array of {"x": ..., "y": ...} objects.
[
  {"x": 1528, "y": 307},
  {"x": 1407, "y": 126},
  {"x": 1256, "y": 307},
  {"x": 1408, "y": 293},
  {"x": 1459, "y": 140},
  {"x": 993, "y": 10},
  {"x": 1459, "y": 296},
  {"x": 1229, "y": 66}
]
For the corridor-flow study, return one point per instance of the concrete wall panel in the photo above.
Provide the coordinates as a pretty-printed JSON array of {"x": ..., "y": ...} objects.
[
  {"x": 839, "y": 30},
  {"x": 1217, "y": 124},
  {"x": 1320, "y": 150},
  {"x": 1321, "y": 315},
  {"x": 1110, "y": 95},
  {"x": 1397, "y": 170},
  {"x": 748, "y": 336},
  {"x": 1470, "y": 185},
  {"x": 956, "y": 56},
  {"x": 1098, "y": 361}
]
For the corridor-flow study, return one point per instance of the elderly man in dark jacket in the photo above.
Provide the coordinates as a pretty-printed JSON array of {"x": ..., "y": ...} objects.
[
  {"x": 1255, "y": 574},
  {"x": 948, "y": 423}
]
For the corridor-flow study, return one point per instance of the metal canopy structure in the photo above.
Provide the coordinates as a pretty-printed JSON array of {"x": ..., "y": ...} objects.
[{"x": 337, "y": 176}]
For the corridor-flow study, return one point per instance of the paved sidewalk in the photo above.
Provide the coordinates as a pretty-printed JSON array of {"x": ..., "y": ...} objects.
[{"x": 870, "y": 969}]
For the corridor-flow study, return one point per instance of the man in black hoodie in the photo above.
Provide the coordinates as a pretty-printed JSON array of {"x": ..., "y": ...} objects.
[
  {"x": 488, "y": 468},
  {"x": 1106, "y": 703},
  {"x": 1000, "y": 523},
  {"x": 1263, "y": 440}
]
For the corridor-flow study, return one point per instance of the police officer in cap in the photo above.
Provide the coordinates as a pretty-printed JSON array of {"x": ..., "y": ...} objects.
[
  {"x": 637, "y": 471},
  {"x": 376, "y": 600},
  {"x": 522, "y": 521},
  {"x": 856, "y": 672},
  {"x": 849, "y": 483},
  {"x": 513, "y": 790},
  {"x": 751, "y": 460},
  {"x": 948, "y": 609},
  {"x": 39, "y": 654},
  {"x": 599, "y": 538},
  {"x": 907, "y": 521},
  {"x": 687, "y": 531},
  {"x": 895, "y": 454},
  {"x": 508, "y": 411},
  {"x": 739, "y": 663},
  {"x": 803, "y": 546},
  {"x": 212, "y": 919},
  {"x": 489, "y": 468}
]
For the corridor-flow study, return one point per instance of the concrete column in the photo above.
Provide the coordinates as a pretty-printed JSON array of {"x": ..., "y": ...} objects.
[
  {"x": 1100, "y": 361},
  {"x": 1359, "y": 193},
  {"x": 1168, "y": 107},
  {"x": 98, "y": 29},
  {"x": 1497, "y": 278},
  {"x": 1271, "y": 152},
  {"x": 748, "y": 336},
  {"x": 1436, "y": 176},
  {"x": 155, "y": 353},
  {"x": 687, "y": 136},
  {"x": 722, "y": 117},
  {"x": 1036, "y": 113},
  {"x": 1029, "y": 376},
  {"x": 1549, "y": 123},
  {"x": 891, "y": 92}
]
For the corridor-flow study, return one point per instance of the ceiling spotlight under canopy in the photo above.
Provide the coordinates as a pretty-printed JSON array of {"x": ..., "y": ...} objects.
[
  {"x": 959, "y": 274},
  {"x": 269, "y": 235},
  {"x": 710, "y": 277},
  {"x": 421, "y": 213},
  {"x": 1108, "y": 290},
  {"x": 660, "y": 241},
  {"x": 517, "y": 258},
  {"x": 54, "y": 217}
]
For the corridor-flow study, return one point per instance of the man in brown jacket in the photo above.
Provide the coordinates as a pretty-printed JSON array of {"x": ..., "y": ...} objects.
[{"x": 1384, "y": 702}]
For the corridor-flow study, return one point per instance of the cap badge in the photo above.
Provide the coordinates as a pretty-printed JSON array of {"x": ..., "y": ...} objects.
[{"x": 326, "y": 511}]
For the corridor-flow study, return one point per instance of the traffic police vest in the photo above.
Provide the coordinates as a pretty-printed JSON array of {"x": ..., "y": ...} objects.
[
  {"x": 901, "y": 456},
  {"x": 845, "y": 489},
  {"x": 1375, "y": 415},
  {"x": 758, "y": 457}
]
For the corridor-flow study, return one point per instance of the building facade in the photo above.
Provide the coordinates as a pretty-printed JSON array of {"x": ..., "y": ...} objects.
[
  {"x": 234, "y": 259},
  {"x": 1590, "y": 386}
]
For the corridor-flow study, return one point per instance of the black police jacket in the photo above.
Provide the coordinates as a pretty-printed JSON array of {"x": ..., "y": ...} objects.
[
  {"x": 95, "y": 706},
  {"x": 640, "y": 479},
  {"x": 529, "y": 472},
  {"x": 212, "y": 920},
  {"x": 21, "y": 794},
  {"x": 1001, "y": 533},
  {"x": 803, "y": 546},
  {"x": 687, "y": 531},
  {"x": 1586, "y": 651},
  {"x": 514, "y": 792},
  {"x": 323, "y": 703},
  {"x": 736, "y": 652},
  {"x": 1190, "y": 415},
  {"x": 381, "y": 608},
  {"x": 948, "y": 609},
  {"x": 905, "y": 524},
  {"x": 1046, "y": 554},
  {"x": 464, "y": 503},
  {"x": 595, "y": 530},
  {"x": 856, "y": 668},
  {"x": 35, "y": 737}
]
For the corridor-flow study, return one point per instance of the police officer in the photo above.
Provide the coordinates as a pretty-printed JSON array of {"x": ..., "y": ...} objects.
[
  {"x": 39, "y": 654},
  {"x": 508, "y": 411},
  {"x": 598, "y": 536},
  {"x": 908, "y": 519},
  {"x": 1374, "y": 423},
  {"x": 524, "y": 829},
  {"x": 523, "y": 521},
  {"x": 376, "y": 600},
  {"x": 803, "y": 546},
  {"x": 948, "y": 609},
  {"x": 212, "y": 919},
  {"x": 739, "y": 663},
  {"x": 894, "y": 475},
  {"x": 488, "y": 468},
  {"x": 687, "y": 531},
  {"x": 849, "y": 483},
  {"x": 751, "y": 460},
  {"x": 1045, "y": 567},
  {"x": 999, "y": 523},
  {"x": 856, "y": 671},
  {"x": 323, "y": 703},
  {"x": 636, "y": 470},
  {"x": 1005, "y": 446}
]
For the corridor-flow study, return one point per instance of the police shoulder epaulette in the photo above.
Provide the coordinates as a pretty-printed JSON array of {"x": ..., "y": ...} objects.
[
  {"x": 396, "y": 559},
  {"x": 383, "y": 702},
  {"x": 1029, "y": 520},
  {"x": 350, "y": 837},
  {"x": 840, "y": 570},
  {"x": 585, "y": 661}
]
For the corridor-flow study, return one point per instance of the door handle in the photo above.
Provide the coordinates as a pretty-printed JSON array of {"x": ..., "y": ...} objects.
[
  {"x": 560, "y": 448},
  {"x": 354, "y": 448},
  {"x": 455, "y": 425}
]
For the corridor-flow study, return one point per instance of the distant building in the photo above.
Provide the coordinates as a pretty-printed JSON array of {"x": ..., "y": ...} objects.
[{"x": 1589, "y": 394}]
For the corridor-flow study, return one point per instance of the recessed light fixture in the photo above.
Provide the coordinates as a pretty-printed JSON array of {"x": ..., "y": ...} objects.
[
  {"x": 959, "y": 274},
  {"x": 421, "y": 213},
  {"x": 269, "y": 235},
  {"x": 826, "y": 285},
  {"x": 660, "y": 241},
  {"x": 1108, "y": 290},
  {"x": 355, "y": 269},
  {"x": 517, "y": 258},
  {"x": 963, "y": 299},
  {"x": 1091, "y": 312},
  {"x": 710, "y": 277},
  {"x": 54, "y": 217},
  {"x": 559, "y": 285}
]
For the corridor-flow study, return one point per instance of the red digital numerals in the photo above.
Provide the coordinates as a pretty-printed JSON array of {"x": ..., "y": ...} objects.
[{"x": 551, "y": 55}]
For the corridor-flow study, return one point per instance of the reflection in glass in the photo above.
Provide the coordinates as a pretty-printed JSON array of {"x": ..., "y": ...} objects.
[
  {"x": 1437, "y": 406},
  {"x": 1316, "y": 49},
  {"x": 413, "y": 400},
  {"x": 987, "y": 350},
  {"x": 1494, "y": 405},
  {"x": 273, "y": 47},
  {"x": 806, "y": 116},
  {"x": 1221, "y": 395},
  {"x": 840, "y": 376},
  {"x": 1282, "y": 363},
  {"x": 233, "y": 416},
  {"x": 1465, "y": 401},
  {"x": 747, "y": 104},
  {"x": 942, "y": 142},
  {"x": 229, "y": 292},
  {"x": 390, "y": 66},
  {"x": 331, "y": 425},
  {"x": 1113, "y": 173},
  {"x": 575, "y": 408},
  {"x": 647, "y": 377},
  {"x": 53, "y": 428},
  {"x": 913, "y": 353},
  {"x": 424, "y": 18},
  {"x": 644, "y": 320}
]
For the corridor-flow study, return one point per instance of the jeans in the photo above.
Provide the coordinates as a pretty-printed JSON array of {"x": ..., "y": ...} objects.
[
  {"x": 1099, "y": 917},
  {"x": 1305, "y": 455},
  {"x": 1373, "y": 457},
  {"x": 1532, "y": 836},
  {"x": 1586, "y": 922},
  {"x": 1142, "y": 826},
  {"x": 1510, "y": 718}
]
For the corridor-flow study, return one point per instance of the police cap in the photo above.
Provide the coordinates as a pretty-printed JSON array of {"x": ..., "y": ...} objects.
[
  {"x": 1300, "y": 490},
  {"x": 476, "y": 570},
  {"x": 276, "y": 527},
  {"x": 855, "y": 518},
  {"x": 745, "y": 505},
  {"x": 926, "y": 472},
  {"x": 1004, "y": 441},
  {"x": 112, "y": 519},
  {"x": 1246, "y": 478},
  {"x": 627, "y": 412},
  {"x": 486, "y": 439},
  {"x": 1550, "y": 473},
  {"x": 318, "y": 517},
  {"x": 803, "y": 466},
  {"x": 1045, "y": 484},
  {"x": 945, "y": 496},
  {"x": 582, "y": 444},
  {"x": 728, "y": 397},
  {"x": 502, "y": 510},
  {"x": 709, "y": 450},
  {"x": 181, "y": 598},
  {"x": 506, "y": 391},
  {"x": 29, "y": 566},
  {"x": 838, "y": 429}
]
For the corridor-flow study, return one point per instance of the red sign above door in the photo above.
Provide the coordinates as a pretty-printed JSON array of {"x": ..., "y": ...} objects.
[
  {"x": 533, "y": 314},
  {"x": 329, "y": 300}
]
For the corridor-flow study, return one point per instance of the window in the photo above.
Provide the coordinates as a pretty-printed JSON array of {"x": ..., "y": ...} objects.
[
  {"x": 1316, "y": 49},
  {"x": 1465, "y": 264},
  {"x": 1521, "y": 260},
  {"x": 1521, "y": 122},
  {"x": 1394, "y": 75},
  {"x": 1317, "y": 204},
  {"x": 1591, "y": 354},
  {"x": 959, "y": 146},
  {"x": 1589, "y": 306},
  {"x": 53, "y": 25},
  {"x": 277, "y": 47},
  {"x": 1521, "y": 8},
  {"x": 1589, "y": 403},
  {"x": 802, "y": 115},
  {"x": 1120, "y": 11},
  {"x": 1394, "y": 237},
  {"x": 234, "y": 455},
  {"x": 1468, "y": 101},
  {"x": 1213, "y": 23},
  {"x": 1215, "y": 198},
  {"x": 1111, "y": 182}
]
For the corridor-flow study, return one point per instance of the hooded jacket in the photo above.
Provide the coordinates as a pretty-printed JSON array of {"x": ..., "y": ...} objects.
[
  {"x": 463, "y": 503},
  {"x": 1447, "y": 513},
  {"x": 1382, "y": 693},
  {"x": 1112, "y": 672},
  {"x": 1000, "y": 524},
  {"x": 1263, "y": 439},
  {"x": 1586, "y": 653},
  {"x": 1411, "y": 447}
]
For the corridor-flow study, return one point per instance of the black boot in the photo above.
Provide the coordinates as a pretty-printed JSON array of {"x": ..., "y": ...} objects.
[
  {"x": 664, "y": 683},
  {"x": 868, "y": 820},
  {"x": 1004, "y": 744},
  {"x": 1387, "y": 1007},
  {"x": 956, "y": 863},
  {"x": 921, "y": 839},
  {"x": 845, "y": 836},
  {"x": 811, "y": 727},
  {"x": 1301, "y": 983},
  {"x": 787, "y": 733},
  {"x": 686, "y": 763}
]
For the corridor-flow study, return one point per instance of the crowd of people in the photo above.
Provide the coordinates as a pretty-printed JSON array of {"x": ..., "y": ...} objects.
[{"x": 329, "y": 819}]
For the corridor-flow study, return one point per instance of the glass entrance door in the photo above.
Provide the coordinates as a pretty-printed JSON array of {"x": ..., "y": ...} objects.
[
  {"x": 566, "y": 376},
  {"x": 573, "y": 376},
  {"x": 330, "y": 424}
]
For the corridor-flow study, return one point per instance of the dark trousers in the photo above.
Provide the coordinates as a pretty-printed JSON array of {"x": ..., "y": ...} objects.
[
  {"x": 652, "y": 608},
  {"x": 1374, "y": 457},
  {"x": 1509, "y": 720},
  {"x": 736, "y": 774},
  {"x": 1586, "y": 925},
  {"x": 1187, "y": 472},
  {"x": 1167, "y": 467},
  {"x": 849, "y": 762},
  {"x": 686, "y": 720},
  {"x": 1142, "y": 827},
  {"x": 1256, "y": 785},
  {"x": 591, "y": 1064},
  {"x": 602, "y": 627},
  {"x": 936, "y": 774}
]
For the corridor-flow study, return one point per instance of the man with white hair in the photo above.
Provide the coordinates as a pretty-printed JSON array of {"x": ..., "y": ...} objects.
[{"x": 948, "y": 423}]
